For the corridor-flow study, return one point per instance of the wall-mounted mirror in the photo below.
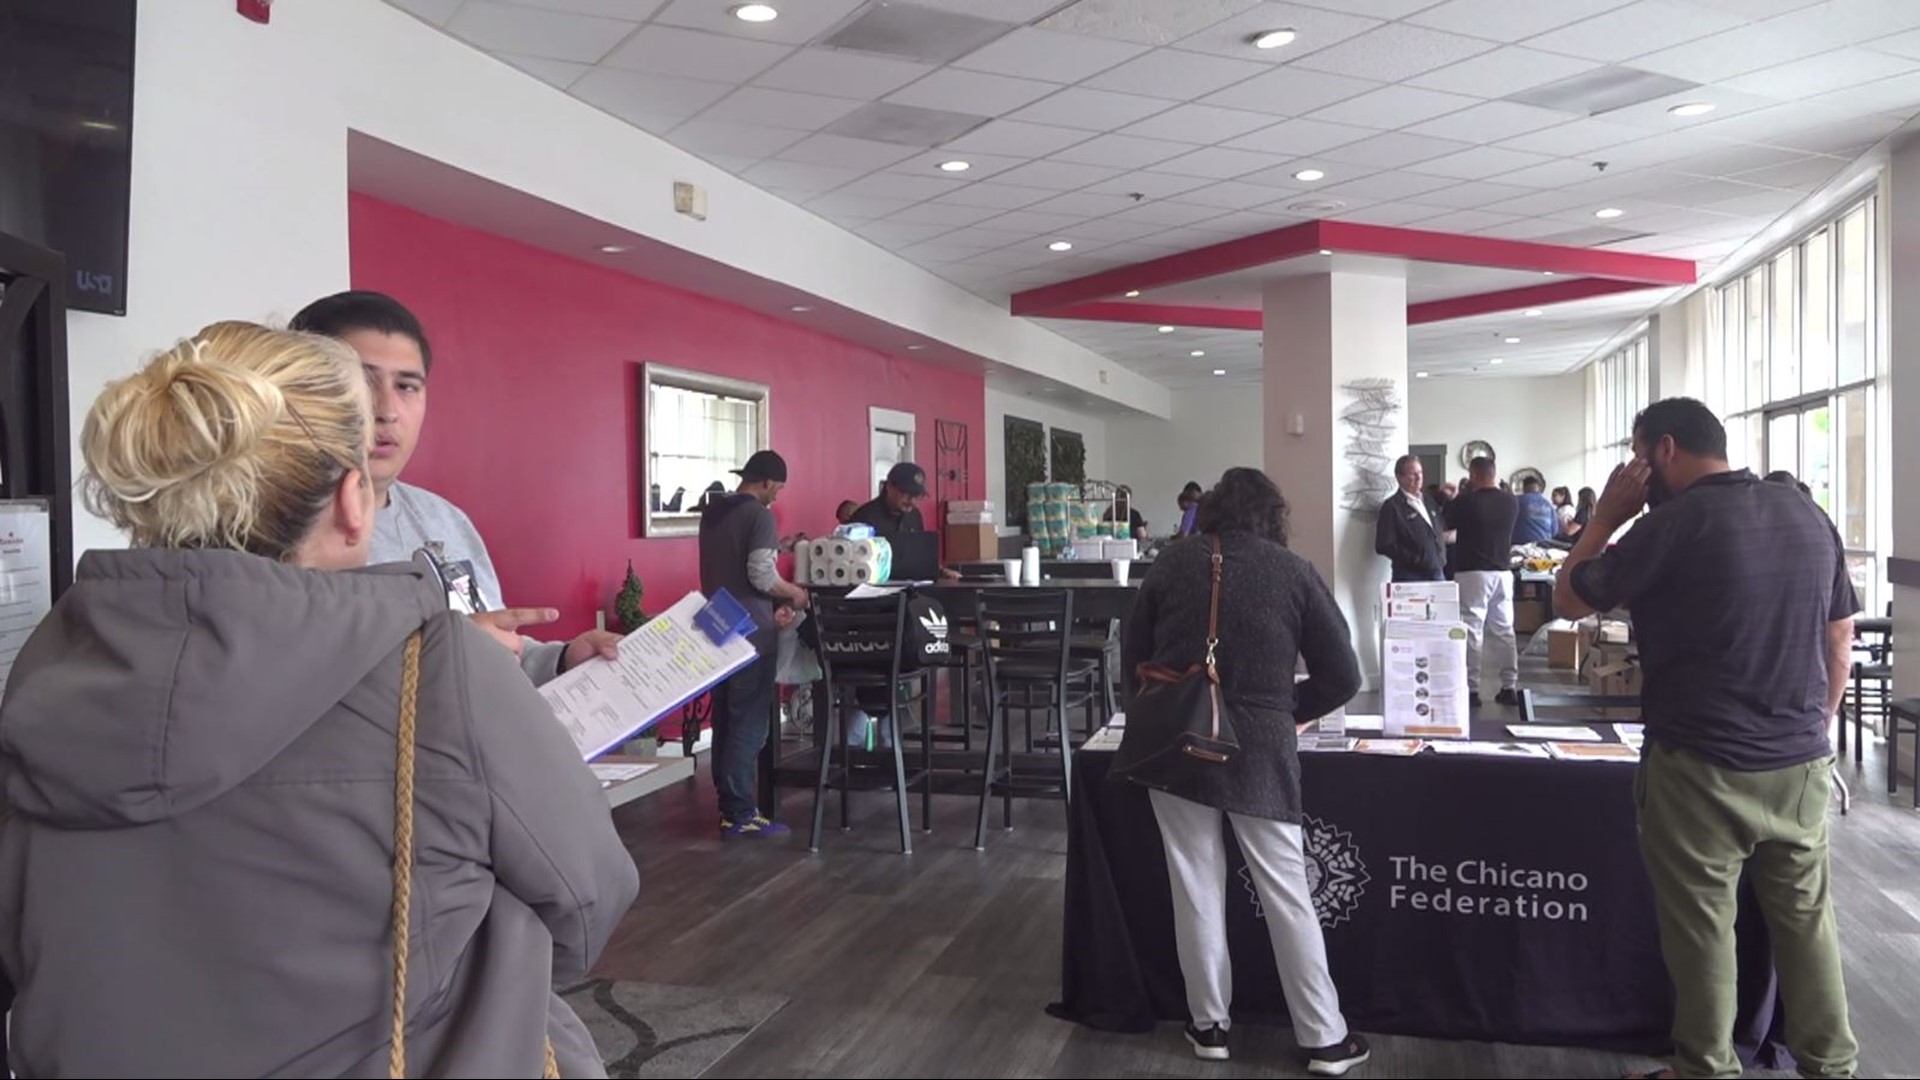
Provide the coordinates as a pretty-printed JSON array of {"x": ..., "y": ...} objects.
[{"x": 696, "y": 428}]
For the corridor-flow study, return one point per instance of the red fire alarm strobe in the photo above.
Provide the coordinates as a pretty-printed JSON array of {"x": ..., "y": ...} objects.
[{"x": 257, "y": 10}]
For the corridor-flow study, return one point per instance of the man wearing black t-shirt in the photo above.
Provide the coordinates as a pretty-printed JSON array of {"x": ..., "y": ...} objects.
[
  {"x": 1743, "y": 611},
  {"x": 1483, "y": 568}
]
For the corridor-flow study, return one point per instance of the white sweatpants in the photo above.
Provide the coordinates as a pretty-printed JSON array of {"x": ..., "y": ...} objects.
[
  {"x": 1197, "y": 868},
  {"x": 1486, "y": 603}
]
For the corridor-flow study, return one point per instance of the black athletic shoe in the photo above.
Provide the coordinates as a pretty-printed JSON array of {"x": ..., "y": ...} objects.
[
  {"x": 1508, "y": 697},
  {"x": 1338, "y": 1060},
  {"x": 1473, "y": 699},
  {"x": 1209, "y": 1043}
]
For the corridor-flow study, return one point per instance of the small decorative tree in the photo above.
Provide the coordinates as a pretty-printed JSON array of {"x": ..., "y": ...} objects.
[{"x": 626, "y": 606}]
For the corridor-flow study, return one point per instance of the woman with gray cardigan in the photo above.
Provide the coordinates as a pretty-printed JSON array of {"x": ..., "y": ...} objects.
[{"x": 1274, "y": 611}]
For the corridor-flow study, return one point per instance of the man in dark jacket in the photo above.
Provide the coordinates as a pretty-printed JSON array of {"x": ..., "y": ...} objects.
[{"x": 1406, "y": 532}]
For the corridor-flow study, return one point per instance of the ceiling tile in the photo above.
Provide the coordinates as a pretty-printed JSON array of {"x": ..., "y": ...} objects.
[
  {"x": 1094, "y": 110},
  {"x": 1395, "y": 107},
  {"x": 1502, "y": 72},
  {"x": 848, "y": 153},
  {"x": 1057, "y": 175},
  {"x": 855, "y": 208},
  {"x": 1394, "y": 52},
  {"x": 1527, "y": 229},
  {"x": 842, "y": 74},
  {"x": 793, "y": 178},
  {"x": 1199, "y": 124},
  {"x": 1318, "y": 28},
  {"x": 560, "y": 73},
  {"x": 1756, "y": 9},
  {"x": 550, "y": 35},
  {"x": 1504, "y": 20},
  {"x": 1907, "y": 44},
  {"x": 1393, "y": 150},
  {"x": 1576, "y": 137},
  {"x": 1300, "y": 137},
  {"x": 1552, "y": 174},
  {"x": 1036, "y": 222},
  {"x": 1169, "y": 213},
  {"x": 1384, "y": 186},
  {"x": 1175, "y": 73},
  {"x": 1149, "y": 185},
  {"x": 1017, "y": 139},
  {"x": 1802, "y": 175},
  {"x": 1490, "y": 122},
  {"x": 901, "y": 186},
  {"x": 1045, "y": 54},
  {"x": 1248, "y": 223},
  {"x": 1152, "y": 23},
  {"x": 1220, "y": 163},
  {"x": 630, "y": 10},
  {"x": 1481, "y": 162},
  {"x": 1475, "y": 195},
  {"x": 1085, "y": 204},
  {"x": 1726, "y": 159},
  {"x": 1635, "y": 30},
  {"x": 1740, "y": 50},
  {"x": 1009, "y": 11},
  {"x": 1819, "y": 74},
  {"x": 1122, "y": 151},
  {"x": 780, "y": 108},
  {"x": 797, "y": 24},
  {"x": 996, "y": 196},
  {"x": 1290, "y": 91},
  {"x": 436, "y": 12},
  {"x": 1395, "y": 214},
  {"x": 628, "y": 94},
  {"x": 1900, "y": 94},
  {"x": 706, "y": 136},
  {"x": 891, "y": 233},
  {"x": 1233, "y": 195},
  {"x": 978, "y": 92},
  {"x": 927, "y": 163},
  {"x": 669, "y": 50},
  {"x": 1465, "y": 221},
  {"x": 1384, "y": 9},
  {"x": 1109, "y": 231}
]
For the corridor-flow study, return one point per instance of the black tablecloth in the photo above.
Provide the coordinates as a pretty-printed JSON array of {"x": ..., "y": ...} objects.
[{"x": 1396, "y": 847}]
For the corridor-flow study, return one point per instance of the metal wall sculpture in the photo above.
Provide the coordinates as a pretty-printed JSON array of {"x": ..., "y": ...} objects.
[{"x": 1371, "y": 418}]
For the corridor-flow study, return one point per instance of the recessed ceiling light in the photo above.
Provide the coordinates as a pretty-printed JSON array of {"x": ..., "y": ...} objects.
[
  {"x": 756, "y": 13},
  {"x": 1274, "y": 39},
  {"x": 1060, "y": 245},
  {"x": 1310, "y": 175},
  {"x": 800, "y": 308},
  {"x": 1166, "y": 329},
  {"x": 613, "y": 249},
  {"x": 1513, "y": 341},
  {"x": 1326, "y": 251},
  {"x": 1693, "y": 108},
  {"x": 955, "y": 166},
  {"x": 1533, "y": 313},
  {"x": 1198, "y": 352},
  {"x": 1419, "y": 374},
  {"x": 1496, "y": 361},
  {"x": 1131, "y": 293},
  {"x": 915, "y": 347},
  {"x": 1548, "y": 273},
  {"x": 99, "y": 125},
  {"x": 1608, "y": 213},
  {"x": 1219, "y": 371}
]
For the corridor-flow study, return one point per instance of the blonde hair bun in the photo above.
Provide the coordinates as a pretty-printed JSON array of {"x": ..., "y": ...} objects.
[{"x": 233, "y": 438}]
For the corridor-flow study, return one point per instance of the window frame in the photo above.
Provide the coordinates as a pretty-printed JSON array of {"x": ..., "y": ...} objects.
[{"x": 656, "y": 524}]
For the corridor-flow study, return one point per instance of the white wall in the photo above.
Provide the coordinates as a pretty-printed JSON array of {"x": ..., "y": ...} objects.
[
  {"x": 1537, "y": 422},
  {"x": 1213, "y": 428},
  {"x": 239, "y": 204},
  {"x": 1001, "y": 404}
]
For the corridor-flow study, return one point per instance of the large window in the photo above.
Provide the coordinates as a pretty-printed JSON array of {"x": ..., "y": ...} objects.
[
  {"x": 1792, "y": 370},
  {"x": 698, "y": 429},
  {"x": 1617, "y": 389}
]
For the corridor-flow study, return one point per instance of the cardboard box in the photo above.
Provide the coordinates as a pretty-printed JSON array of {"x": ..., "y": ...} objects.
[
  {"x": 1530, "y": 615},
  {"x": 1612, "y": 670},
  {"x": 1563, "y": 646},
  {"x": 972, "y": 543},
  {"x": 961, "y": 517}
]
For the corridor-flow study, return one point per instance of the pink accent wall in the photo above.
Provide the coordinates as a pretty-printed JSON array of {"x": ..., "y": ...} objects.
[{"x": 533, "y": 421}]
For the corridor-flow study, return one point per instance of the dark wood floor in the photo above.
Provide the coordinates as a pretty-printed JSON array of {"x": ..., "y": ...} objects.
[{"x": 941, "y": 964}]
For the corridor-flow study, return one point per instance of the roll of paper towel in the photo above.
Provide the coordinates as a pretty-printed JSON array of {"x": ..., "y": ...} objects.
[
  {"x": 820, "y": 572},
  {"x": 1030, "y": 565}
]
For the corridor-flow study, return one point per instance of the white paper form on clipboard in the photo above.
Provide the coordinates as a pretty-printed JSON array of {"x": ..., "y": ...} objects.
[
  {"x": 26, "y": 576},
  {"x": 662, "y": 666}
]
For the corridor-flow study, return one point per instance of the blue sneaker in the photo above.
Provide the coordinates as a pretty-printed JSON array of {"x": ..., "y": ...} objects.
[{"x": 756, "y": 826}]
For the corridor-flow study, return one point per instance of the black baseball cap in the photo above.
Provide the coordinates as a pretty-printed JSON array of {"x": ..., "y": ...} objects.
[
  {"x": 909, "y": 478},
  {"x": 763, "y": 465}
]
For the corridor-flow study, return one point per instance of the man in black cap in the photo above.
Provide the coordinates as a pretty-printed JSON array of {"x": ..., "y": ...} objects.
[
  {"x": 897, "y": 509},
  {"x": 738, "y": 545}
]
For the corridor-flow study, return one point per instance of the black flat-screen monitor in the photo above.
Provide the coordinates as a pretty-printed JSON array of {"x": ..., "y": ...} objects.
[{"x": 66, "y": 137}]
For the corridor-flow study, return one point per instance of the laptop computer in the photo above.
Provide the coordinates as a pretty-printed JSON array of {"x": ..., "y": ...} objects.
[{"x": 916, "y": 557}]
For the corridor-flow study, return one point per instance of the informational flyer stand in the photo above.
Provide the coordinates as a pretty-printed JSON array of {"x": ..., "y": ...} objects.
[
  {"x": 1425, "y": 680},
  {"x": 26, "y": 576}
]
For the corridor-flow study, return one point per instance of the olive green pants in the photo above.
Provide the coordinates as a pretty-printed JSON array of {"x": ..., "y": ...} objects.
[{"x": 1700, "y": 825}]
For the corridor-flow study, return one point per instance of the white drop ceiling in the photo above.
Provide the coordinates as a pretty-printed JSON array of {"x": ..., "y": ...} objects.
[{"x": 1141, "y": 128}]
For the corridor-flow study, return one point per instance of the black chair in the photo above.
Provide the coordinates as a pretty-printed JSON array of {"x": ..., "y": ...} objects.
[
  {"x": 1872, "y": 689},
  {"x": 1031, "y": 669},
  {"x": 965, "y": 666},
  {"x": 1098, "y": 640},
  {"x": 1903, "y": 713},
  {"x": 862, "y": 647}
]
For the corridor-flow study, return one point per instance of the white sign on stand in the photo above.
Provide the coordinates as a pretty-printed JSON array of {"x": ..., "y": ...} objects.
[
  {"x": 1425, "y": 680},
  {"x": 26, "y": 576}
]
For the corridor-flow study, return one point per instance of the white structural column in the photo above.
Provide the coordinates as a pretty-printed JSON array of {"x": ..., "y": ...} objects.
[
  {"x": 1900, "y": 239},
  {"x": 1327, "y": 335}
]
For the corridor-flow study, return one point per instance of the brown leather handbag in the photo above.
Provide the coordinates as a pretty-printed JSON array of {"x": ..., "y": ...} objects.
[{"x": 1179, "y": 725}]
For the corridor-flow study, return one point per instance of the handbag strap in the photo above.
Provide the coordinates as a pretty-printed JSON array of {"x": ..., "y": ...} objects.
[
  {"x": 1213, "y": 614},
  {"x": 403, "y": 781}
]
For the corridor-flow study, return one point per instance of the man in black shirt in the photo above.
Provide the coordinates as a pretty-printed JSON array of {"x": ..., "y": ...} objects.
[
  {"x": 897, "y": 508},
  {"x": 1483, "y": 568},
  {"x": 1406, "y": 532},
  {"x": 1743, "y": 612}
]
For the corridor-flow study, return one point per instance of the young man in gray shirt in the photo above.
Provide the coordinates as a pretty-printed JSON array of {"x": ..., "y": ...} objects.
[
  {"x": 738, "y": 545},
  {"x": 393, "y": 348}
]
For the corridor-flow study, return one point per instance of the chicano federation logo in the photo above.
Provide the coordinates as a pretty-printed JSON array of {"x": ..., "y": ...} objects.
[{"x": 1336, "y": 876}]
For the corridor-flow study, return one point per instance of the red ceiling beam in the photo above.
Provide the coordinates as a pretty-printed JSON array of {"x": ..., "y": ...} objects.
[
  {"x": 1162, "y": 315},
  {"x": 1210, "y": 261},
  {"x": 1494, "y": 253},
  {"x": 1533, "y": 296}
]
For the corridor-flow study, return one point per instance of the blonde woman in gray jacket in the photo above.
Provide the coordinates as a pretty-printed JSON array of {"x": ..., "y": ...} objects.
[{"x": 199, "y": 749}]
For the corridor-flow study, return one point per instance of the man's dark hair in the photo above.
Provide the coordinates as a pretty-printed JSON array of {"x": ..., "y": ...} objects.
[
  {"x": 1400, "y": 466},
  {"x": 341, "y": 314},
  {"x": 1691, "y": 425},
  {"x": 1532, "y": 485},
  {"x": 1245, "y": 500},
  {"x": 1481, "y": 468}
]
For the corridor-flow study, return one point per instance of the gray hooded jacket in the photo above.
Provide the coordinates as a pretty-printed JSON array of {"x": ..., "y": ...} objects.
[{"x": 197, "y": 749}]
